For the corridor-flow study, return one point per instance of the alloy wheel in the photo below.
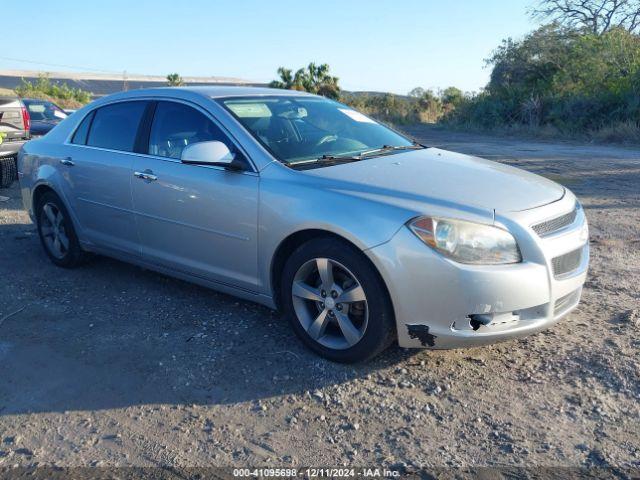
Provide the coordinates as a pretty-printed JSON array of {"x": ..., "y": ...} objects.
[
  {"x": 52, "y": 226},
  {"x": 330, "y": 303}
]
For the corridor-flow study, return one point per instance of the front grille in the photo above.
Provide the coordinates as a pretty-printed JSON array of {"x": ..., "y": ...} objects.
[
  {"x": 549, "y": 227},
  {"x": 563, "y": 304},
  {"x": 567, "y": 263}
]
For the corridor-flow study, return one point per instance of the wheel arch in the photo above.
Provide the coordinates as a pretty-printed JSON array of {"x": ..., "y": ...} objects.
[
  {"x": 39, "y": 191},
  {"x": 295, "y": 240},
  {"x": 43, "y": 187}
]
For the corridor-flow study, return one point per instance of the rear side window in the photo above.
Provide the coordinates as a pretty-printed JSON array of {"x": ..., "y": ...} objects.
[
  {"x": 116, "y": 126},
  {"x": 80, "y": 137},
  {"x": 175, "y": 126}
]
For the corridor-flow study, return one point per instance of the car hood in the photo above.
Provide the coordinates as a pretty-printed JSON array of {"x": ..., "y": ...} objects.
[{"x": 438, "y": 176}]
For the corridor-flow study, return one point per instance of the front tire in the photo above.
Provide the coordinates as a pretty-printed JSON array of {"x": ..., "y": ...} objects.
[
  {"x": 336, "y": 301},
  {"x": 57, "y": 234}
]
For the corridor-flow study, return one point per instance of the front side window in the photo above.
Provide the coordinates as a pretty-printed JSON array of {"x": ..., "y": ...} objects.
[
  {"x": 175, "y": 126},
  {"x": 115, "y": 126},
  {"x": 296, "y": 129}
]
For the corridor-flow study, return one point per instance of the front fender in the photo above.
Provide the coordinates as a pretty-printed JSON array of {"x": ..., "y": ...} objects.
[
  {"x": 291, "y": 202},
  {"x": 289, "y": 207}
]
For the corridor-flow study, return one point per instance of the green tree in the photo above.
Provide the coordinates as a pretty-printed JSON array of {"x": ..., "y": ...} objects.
[
  {"x": 286, "y": 81},
  {"x": 567, "y": 79},
  {"x": 593, "y": 16},
  {"x": 174, "y": 80},
  {"x": 416, "y": 92},
  {"x": 429, "y": 107},
  {"x": 530, "y": 65},
  {"x": 601, "y": 64},
  {"x": 452, "y": 97},
  {"x": 314, "y": 79}
]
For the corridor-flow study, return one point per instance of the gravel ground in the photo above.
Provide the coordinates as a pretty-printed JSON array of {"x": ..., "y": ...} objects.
[{"x": 113, "y": 365}]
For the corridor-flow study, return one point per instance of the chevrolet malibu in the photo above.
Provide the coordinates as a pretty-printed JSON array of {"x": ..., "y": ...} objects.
[{"x": 359, "y": 235}]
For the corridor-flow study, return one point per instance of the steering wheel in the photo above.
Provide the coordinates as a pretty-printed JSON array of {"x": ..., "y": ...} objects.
[{"x": 327, "y": 139}]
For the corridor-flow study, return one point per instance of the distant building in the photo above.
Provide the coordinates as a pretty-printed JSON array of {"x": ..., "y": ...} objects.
[{"x": 100, "y": 84}]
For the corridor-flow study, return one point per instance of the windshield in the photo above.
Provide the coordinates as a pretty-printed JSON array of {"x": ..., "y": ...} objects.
[
  {"x": 44, "y": 110},
  {"x": 296, "y": 129}
]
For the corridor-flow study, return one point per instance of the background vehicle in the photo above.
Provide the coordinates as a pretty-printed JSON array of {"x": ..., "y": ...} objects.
[
  {"x": 14, "y": 132},
  {"x": 358, "y": 234},
  {"x": 44, "y": 115}
]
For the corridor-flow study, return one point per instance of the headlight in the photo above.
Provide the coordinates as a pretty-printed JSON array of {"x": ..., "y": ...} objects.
[
  {"x": 467, "y": 242},
  {"x": 584, "y": 231}
]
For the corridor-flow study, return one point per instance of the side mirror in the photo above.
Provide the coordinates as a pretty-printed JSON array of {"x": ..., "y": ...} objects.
[{"x": 211, "y": 153}]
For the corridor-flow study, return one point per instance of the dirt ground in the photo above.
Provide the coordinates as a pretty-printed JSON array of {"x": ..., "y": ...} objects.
[{"x": 112, "y": 365}]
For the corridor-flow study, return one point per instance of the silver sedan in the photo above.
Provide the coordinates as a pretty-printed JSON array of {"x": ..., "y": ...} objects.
[{"x": 359, "y": 235}]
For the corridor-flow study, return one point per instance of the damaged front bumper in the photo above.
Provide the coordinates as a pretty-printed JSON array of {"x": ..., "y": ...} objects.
[{"x": 442, "y": 304}]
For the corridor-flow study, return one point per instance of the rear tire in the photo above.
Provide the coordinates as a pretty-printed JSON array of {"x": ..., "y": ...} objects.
[
  {"x": 57, "y": 234},
  {"x": 336, "y": 301},
  {"x": 8, "y": 171}
]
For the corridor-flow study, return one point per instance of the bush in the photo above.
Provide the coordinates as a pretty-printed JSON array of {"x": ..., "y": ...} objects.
[
  {"x": 386, "y": 107},
  {"x": 420, "y": 106},
  {"x": 621, "y": 132},
  {"x": 572, "y": 82},
  {"x": 60, "y": 93}
]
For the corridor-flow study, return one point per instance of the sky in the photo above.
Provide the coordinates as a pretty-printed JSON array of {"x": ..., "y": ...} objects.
[{"x": 379, "y": 45}]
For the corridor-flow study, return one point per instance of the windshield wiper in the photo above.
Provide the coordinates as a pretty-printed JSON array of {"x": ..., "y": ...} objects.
[
  {"x": 332, "y": 159},
  {"x": 336, "y": 159},
  {"x": 339, "y": 158},
  {"x": 393, "y": 148}
]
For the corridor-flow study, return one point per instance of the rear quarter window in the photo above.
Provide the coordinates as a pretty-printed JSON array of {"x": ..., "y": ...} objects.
[
  {"x": 80, "y": 136},
  {"x": 115, "y": 126}
]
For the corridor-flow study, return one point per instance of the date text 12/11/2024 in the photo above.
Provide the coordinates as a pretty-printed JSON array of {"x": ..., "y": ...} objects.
[{"x": 311, "y": 472}]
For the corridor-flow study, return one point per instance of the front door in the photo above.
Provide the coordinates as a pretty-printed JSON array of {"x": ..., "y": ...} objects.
[{"x": 200, "y": 220}]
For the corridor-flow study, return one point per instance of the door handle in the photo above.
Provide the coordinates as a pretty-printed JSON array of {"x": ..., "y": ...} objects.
[
  {"x": 146, "y": 175},
  {"x": 67, "y": 161}
]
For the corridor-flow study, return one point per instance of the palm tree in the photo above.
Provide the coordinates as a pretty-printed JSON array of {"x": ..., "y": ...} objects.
[
  {"x": 313, "y": 79},
  {"x": 174, "y": 80},
  {"x": 286, "y": 79}
]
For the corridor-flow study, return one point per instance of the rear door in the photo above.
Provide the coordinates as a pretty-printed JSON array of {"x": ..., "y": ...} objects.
[
  {"x": 99, "y": 173},
  {"x": 201, "y": 220}
]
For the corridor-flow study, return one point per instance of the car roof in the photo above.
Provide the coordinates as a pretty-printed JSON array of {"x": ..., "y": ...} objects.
[
  {"x": 217, "y": 92},
  {"x": 206, "y": 91}
]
